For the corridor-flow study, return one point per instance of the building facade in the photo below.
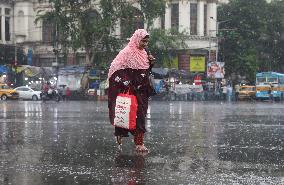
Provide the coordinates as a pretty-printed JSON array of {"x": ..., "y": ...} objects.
[{"x": 198, "y": 18}]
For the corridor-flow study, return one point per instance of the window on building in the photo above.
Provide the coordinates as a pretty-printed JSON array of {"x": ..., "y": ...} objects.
[
  {"x": 193, "y": 19},
  {"x": 47, "y": 32},
  {"x": 20, "y": 22},
  {"x": 7, "y": 11},
  {"x": 175, "y": 16},
  {"x": 205, "y": 19},
  {"x": 81, "y": 60},
  {"x": 0, "y": 24},
  {"x": 46, "y": 62},
  {"x": 163, "y": 21},
  {"x": 7, "y": 28},
  {"x": 7, "y": 24}
]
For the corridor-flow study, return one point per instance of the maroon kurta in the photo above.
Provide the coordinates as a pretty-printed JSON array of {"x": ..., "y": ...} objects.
[{"x": 137, "y": 81}]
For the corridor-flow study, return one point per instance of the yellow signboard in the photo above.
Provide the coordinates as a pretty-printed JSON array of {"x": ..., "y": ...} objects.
[{"x": 197, "y": 64}]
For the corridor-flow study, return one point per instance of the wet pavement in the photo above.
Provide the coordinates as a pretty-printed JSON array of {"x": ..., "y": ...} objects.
[{"x": 70, "y": 143}]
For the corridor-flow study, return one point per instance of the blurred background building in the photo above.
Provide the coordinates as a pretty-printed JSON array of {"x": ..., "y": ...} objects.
[{"x": 18, "y": 29}]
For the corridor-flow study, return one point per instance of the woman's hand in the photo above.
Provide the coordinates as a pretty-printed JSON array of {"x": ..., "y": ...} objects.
[{"x": 152, "y": 59}]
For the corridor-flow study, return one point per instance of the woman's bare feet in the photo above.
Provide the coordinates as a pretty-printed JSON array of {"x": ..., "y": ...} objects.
[
  {"x": 119, "y": 140},
  {"x": 141, "y": 149}
]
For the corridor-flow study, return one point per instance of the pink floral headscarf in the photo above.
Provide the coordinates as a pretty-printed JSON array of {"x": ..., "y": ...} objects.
[{"x": 131, "y": 56}]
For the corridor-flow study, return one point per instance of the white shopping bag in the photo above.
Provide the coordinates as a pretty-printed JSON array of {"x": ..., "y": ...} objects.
[{"x": 125, "y": 111}]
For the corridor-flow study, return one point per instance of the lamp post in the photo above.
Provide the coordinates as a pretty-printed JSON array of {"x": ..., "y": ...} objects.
[
  {"x": 274, "y": 48},
  {"x": 217, "y": 46},
  {"x": 56, "y": 52},
  {"x": 14, "y": 34}
]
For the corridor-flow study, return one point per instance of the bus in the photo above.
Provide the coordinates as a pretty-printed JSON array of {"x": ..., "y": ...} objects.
[{"x": 269, "y": 82}]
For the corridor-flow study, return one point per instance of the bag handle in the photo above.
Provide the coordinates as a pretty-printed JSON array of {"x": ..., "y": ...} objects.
[{"x": 126, "y": 91}]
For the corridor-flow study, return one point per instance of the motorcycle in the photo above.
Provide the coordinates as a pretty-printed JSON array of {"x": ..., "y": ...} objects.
[{"x": 52, "y": 94}]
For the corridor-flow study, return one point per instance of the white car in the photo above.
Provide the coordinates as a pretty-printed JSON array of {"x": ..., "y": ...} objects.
[{"x": 28, "y": 93}]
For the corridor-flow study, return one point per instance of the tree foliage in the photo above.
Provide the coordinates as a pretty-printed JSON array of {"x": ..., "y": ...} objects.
[
  {"x": 164, "y": 44},
  {"x": 253, "y": 42},
  {"x": 80, "y": 25},
  {"x": 86, "y": 25},
  {"x": 152, "y": 9}
]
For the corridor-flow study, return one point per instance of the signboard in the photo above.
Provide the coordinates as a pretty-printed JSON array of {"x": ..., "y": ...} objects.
[
  {"x": 197, "y": 63},
  {"x": 197, "y": 80},
  {"x": 215, "y": 70},
  {"x": 186, "y": 88},
  {"x": 73, "y": 81}
]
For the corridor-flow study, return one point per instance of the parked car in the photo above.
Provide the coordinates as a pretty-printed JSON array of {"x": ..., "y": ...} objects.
[
  {"x": 247, "y": 92},
  {"x": 28, "y": 93},
  {"x": 8, "y": 93}
]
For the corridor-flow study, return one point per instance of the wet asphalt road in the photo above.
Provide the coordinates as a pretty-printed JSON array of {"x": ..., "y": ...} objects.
[{"x": 70, "y": 143}]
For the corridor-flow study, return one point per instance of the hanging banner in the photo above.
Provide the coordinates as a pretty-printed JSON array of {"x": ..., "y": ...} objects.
[
  {"x": 215, "y": 70},
  {"x": 197, "y": 63}
]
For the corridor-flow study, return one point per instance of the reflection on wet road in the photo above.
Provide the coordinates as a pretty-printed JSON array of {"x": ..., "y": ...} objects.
[{"x": 70, "y": 143}]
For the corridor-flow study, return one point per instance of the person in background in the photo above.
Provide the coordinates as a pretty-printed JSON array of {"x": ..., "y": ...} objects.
[
  {"x": 237, "y": 92},
  {"x": 46, "y": 87},
  {"x": 270, "y": 94},
  {"x": 68, "y": 93},
  {"x": 130, "y": 71},
  {"x": 63, "y": 91},
  {"x": 224, "y": 92}
]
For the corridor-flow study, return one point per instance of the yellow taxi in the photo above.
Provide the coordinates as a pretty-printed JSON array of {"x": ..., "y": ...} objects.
[
  {"x": 247, "y": 92},
  {"x": 8, "y": 93}
]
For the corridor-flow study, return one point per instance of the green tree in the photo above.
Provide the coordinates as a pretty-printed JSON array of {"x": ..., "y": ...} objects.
[
  {"x": 256, "y": 40},
  {"x": 82, "y": 26},
  {"x": 165, "y": 45},
  {"x": 95, "y": 28},
  {"x": 273, "y": 38},
  {"x": 151, "y": 10},
  {"x": 59, "y": 17}
]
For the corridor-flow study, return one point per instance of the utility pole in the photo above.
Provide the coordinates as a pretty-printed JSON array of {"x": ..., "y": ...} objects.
[
  {"x": 56, "y": 51},
  {"x": 209, "y": 57},
  {"x": 14, "y": 42},
  {"x": 217, "y": 34},
  {"x": 217, "y": 40},
  {"x": 217, "y": 47},
  {"x": 55, "y": 45},
  {"x": 14, "y": 33}
]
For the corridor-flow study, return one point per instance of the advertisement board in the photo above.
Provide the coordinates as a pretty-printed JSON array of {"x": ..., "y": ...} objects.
[
  {"x": 215, "y": 70},
  {"x": 197, "y": 64}
]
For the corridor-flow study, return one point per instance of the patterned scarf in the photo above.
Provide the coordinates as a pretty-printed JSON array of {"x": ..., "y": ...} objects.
[{"x": 131, "y": 56}]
